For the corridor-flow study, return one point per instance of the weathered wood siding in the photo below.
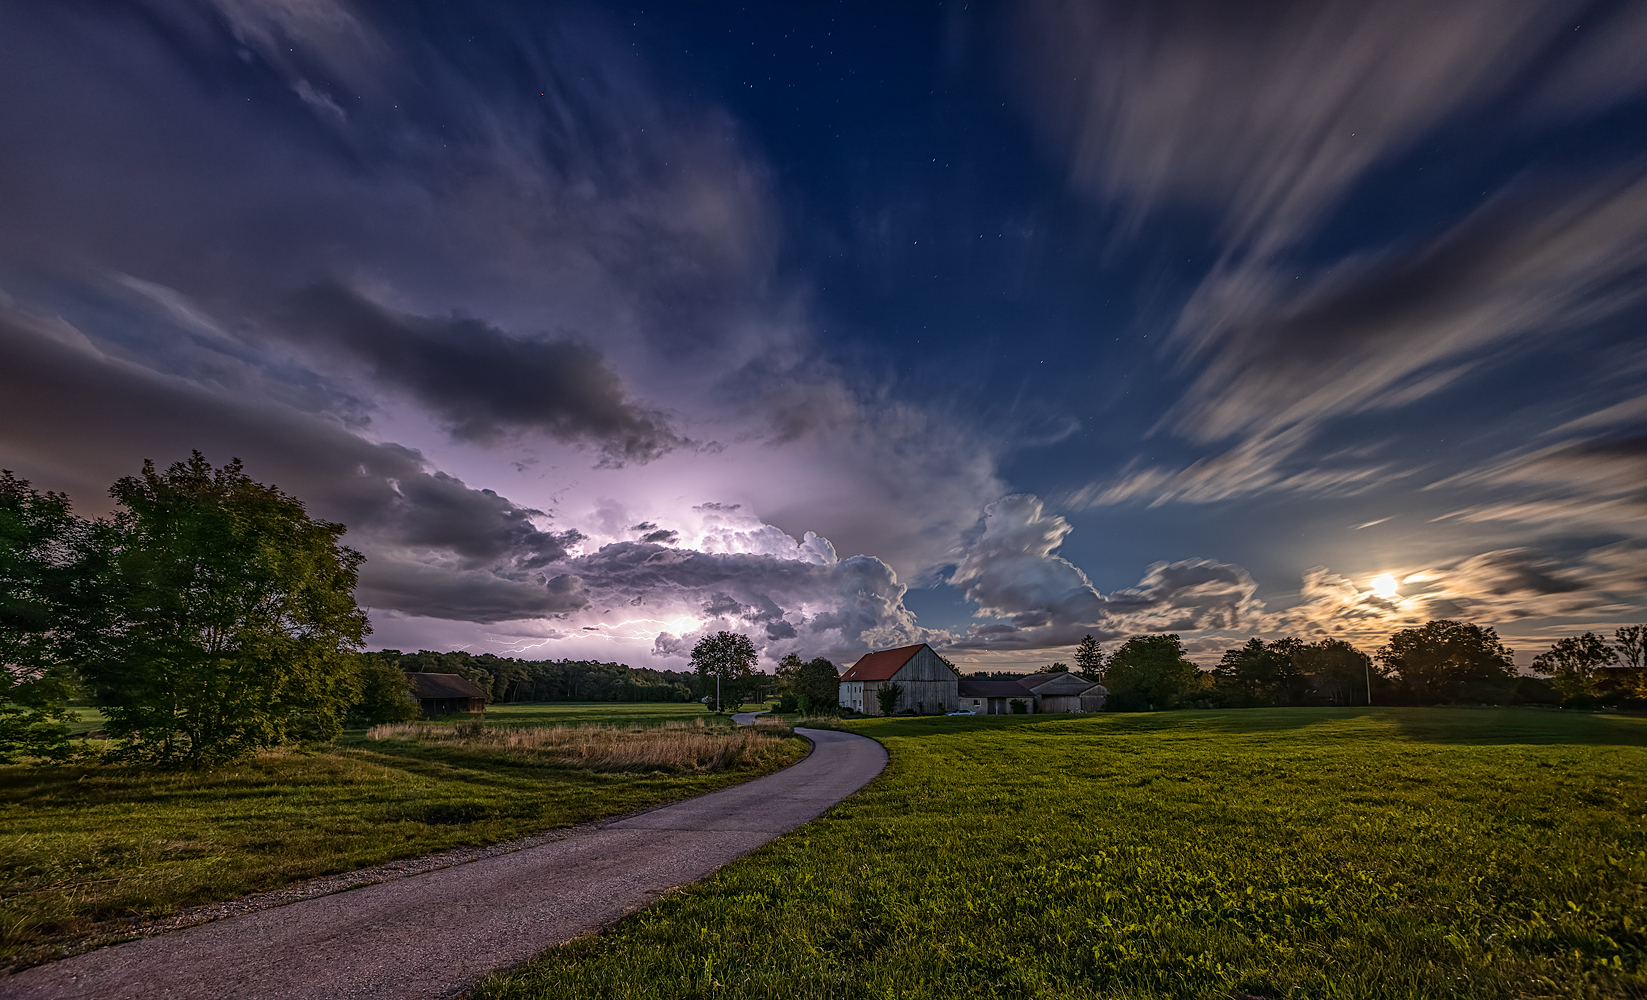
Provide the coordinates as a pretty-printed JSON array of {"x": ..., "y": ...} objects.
[
  {"x": 1061, "y": 703},
  {"x": 926, "y": 685}
]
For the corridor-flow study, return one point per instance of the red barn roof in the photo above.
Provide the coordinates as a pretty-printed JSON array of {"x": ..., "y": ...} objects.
[{"x": 881, "y": 666}]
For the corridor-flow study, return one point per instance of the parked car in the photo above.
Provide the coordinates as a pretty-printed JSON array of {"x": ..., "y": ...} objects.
[{"x": 964, "y": 711}]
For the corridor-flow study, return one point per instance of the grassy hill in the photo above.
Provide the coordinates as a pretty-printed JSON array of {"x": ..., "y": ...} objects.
[{"x": 1383, "y": 853}]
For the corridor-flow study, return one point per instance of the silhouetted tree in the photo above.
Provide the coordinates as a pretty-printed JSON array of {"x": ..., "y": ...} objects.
[
  {"x": 727, "y": 658},
  {"x": 1630, "y": 642},
  {"x": 1342, "y": 672},
  {"x": 1149, "y": 672},
  {"x": 1263, "y": 674},
  {"x": 1575, "y": 664},
  {"x": 1054, "y": 668},
  {"x": 1089, "y": 659},
  {"x": 1448, "y": 661}
]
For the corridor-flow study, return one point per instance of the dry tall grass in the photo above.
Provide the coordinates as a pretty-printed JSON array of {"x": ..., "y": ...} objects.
[{"x": 674, "y": 746}]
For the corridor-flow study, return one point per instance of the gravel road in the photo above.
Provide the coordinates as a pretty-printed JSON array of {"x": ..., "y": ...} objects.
[{"x": 434, "y": 935}]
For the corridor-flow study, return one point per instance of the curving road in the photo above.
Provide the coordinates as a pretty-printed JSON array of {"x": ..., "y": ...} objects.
[{"x": 434, "y": 935}]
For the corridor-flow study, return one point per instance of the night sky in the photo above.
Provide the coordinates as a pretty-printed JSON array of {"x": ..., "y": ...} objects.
[{"x": 857, "y": 325}]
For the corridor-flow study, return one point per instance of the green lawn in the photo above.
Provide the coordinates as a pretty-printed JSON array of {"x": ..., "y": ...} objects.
[
  {"x": 1385, "y": 853},
  {"x": 80, "y": 845}
]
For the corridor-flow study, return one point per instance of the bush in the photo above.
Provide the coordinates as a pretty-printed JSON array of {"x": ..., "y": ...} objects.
[
  {"x": 1019, "y": 706},
  {"x": 385, "y": 695}
]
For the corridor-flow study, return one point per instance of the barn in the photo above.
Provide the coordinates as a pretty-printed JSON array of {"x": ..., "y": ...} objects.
[
  {"x": 445, "y": 694},
  {"x": 1065, "y": 692},
  {"x": 926, "y": 684}
]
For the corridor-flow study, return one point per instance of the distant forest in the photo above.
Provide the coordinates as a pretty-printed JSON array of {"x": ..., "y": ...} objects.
[{"x": 505, "y": 679}]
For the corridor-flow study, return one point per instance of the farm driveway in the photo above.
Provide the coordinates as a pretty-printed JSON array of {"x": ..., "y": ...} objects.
[{"x": 434, "y": 935}]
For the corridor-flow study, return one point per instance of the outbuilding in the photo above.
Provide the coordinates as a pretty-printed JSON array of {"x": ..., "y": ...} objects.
[
  {"x": 1065, "y": 692},
  {"x": 994, "y": 697},
  {"x": 926, "y": 684},
  {"x": 445, "y": 694}
]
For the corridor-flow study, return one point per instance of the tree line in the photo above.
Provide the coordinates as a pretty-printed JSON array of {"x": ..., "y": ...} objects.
[
  {"x": 509, "y": 680},
  {"x": 1439, "y": 663}
]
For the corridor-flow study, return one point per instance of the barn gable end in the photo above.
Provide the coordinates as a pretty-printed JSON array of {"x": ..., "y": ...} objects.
[{"x": 926, "y": 684}]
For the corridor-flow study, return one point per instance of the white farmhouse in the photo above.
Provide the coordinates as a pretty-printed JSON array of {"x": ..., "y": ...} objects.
[{"x": 926, "y": 684}]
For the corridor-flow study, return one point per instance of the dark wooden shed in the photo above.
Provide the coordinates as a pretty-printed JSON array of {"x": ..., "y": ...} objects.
[{"x": 446, "y": 694}]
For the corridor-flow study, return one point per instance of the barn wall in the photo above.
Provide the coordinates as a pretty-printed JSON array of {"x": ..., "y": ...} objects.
[
  {"x": 852, "y": 695},
  {"x": 1061, "y": 703},
  {"x": 928, "y": 684}
]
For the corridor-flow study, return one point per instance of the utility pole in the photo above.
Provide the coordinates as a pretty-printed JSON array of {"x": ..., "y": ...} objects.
[
  {"x": 1369, "y": 682},
  {"x": 718, "y": 693}
]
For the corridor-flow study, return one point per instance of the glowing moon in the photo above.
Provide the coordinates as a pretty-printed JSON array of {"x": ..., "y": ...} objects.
[{"x": 1384, "y": 586}]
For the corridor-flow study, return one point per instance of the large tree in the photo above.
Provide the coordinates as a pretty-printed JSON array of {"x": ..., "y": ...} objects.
[
  {"x": 1448, "y": 661},
  {"x": 1150, "y": 672},
  {"x": 1263, "y": 673},
  {"x": 1089, "y": 659},
  {"x": 820, "y": 684},
  {"x": 1575, "y": 663},
  {"x": 232, "y": 619},
  {"x": 1341, "y": 671},
  {"x": 47, "y": 604},
  {"x": 723, "y": 661}
]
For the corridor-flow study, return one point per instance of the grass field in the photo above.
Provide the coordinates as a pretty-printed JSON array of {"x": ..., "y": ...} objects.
[
  {"x": 81, "y": 845},
  {"x": 1321, "y": 853}
]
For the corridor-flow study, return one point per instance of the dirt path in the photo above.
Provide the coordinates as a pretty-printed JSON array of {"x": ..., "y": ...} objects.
[{"x": 435, "y": 934}]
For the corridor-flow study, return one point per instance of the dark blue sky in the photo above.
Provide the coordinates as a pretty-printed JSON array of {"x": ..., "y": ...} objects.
[{"x": 1072, "y": 317}]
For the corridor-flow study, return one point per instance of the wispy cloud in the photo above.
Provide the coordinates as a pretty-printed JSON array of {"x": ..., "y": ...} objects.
[{"x": 1262, "y": 116}]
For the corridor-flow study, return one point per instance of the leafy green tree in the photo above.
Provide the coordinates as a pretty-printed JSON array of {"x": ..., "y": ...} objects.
[
  {"x": 1448, "y": 661},
  {"x": 786, "y": 674},
  {"x": 887, "y": 696},
  {"x": 1575, "y": 664},
  {"x": 232, "y": 619},
  {"x": 46, "y": 603},
  {"x": 385, "y": 694},
  {"x": 1089, "y": 659},
  {"x": 723, "y": 661},
  {"x": 820, "y": 683},
  {"x": 1150, "y": 672}
]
